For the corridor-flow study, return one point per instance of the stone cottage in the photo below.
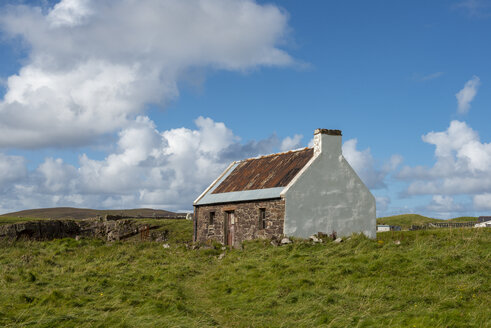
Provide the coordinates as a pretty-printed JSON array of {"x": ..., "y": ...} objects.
[{"x": 296, "y": 193}]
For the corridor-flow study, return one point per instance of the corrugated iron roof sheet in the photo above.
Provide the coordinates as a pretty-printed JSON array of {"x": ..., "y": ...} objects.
[{"x": 271, "y": 171}]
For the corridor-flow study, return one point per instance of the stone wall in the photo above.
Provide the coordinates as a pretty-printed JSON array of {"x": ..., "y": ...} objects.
[
  {"x": 109, "y": 230},
  {"x": 247, "y": 220}
]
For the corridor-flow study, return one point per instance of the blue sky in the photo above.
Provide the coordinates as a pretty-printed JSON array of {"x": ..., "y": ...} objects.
[{"x": 385, "y": 73}]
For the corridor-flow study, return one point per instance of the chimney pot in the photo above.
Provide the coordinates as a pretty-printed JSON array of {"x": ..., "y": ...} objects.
[{"x": 328, "y": 131}]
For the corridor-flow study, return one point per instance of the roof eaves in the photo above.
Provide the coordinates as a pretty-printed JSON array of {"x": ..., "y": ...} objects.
[{"x": 240, "y": 196}]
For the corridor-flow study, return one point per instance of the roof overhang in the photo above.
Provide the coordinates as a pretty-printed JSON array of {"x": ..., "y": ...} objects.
[{"x": 240, "y": 196}]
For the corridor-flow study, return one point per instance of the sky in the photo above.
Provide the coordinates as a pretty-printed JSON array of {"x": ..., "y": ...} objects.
[{"x": 127, "y": 104}]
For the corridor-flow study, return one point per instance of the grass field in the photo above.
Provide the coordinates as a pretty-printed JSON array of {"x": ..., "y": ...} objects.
[
  {"x": 437, "y": 278},
  {"x": 406, "y": 220}
]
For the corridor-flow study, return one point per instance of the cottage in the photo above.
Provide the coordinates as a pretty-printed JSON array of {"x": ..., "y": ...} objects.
[{"x": 296, "y": 193}]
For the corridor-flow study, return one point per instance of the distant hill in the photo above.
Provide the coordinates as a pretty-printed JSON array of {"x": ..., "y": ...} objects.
[
  {"x": 83, "y": 213},
  {"x": 406, "y": 220},
  {"x": 464, "y": 219}
]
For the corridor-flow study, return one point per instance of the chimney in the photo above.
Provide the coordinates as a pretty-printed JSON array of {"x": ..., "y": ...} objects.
[{"x": 327, "y": 141}]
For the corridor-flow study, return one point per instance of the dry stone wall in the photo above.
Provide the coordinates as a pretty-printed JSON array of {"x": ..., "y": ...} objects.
[{"x": 109, "y": 230}]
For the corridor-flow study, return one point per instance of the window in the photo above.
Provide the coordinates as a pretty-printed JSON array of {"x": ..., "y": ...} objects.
[
  {"x": 262, "y": 218},
  {"x": 212, "y": 218}
]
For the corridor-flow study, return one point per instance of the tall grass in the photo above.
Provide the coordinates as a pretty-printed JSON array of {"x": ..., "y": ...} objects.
[{"x": 438, "y": 278}]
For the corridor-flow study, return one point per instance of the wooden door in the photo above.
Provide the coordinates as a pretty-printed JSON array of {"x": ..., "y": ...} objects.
[{"x": 230, "y": 228}]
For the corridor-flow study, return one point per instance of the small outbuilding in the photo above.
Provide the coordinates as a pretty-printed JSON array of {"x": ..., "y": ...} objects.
[{"x": 296, "y": 193}]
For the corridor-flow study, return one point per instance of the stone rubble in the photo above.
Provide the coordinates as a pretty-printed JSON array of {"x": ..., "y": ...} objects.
[
  {"x": 285, "y": 241},
  {"x": 314, "y": 239}
]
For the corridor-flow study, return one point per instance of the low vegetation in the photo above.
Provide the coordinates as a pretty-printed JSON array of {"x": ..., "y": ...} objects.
[
  {"x": 407, "y": 220},
  {"x": 10, "y": 220},
  {"x": 434, "y": 278}
]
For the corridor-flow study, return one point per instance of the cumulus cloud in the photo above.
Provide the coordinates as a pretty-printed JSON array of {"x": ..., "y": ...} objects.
[
  {"x": 467, "y": 94},
  {"x": 12, "y": 169},
  {"x": 444, "y": 205},
  {"x": 482, "y": 201},
  {"x": 383, "y": 203},
  {"x": 94, "y": 66},
  {"x": 363, "y": 163},
  {"x": 462, "y": 167},
  {"x": 290, "y": 143},
  {"x": 150, "y": 168}
]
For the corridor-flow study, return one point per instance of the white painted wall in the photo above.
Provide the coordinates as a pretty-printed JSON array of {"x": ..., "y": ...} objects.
[{"x": 328, "y": 196}]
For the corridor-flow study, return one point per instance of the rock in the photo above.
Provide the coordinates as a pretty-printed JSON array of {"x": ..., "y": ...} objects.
[
  {"x": 286, "y": 241},
  {"x": 166, "y": 245},
  {"x": 274, "y": 242},
  {"x": 221, "y": 256},
  {"x": 338, "y": 240},
  {"x": 224, "y": 248},
  {"x": 109, "y": 230},
  {"x": 397, "y": 242},
  {"x": 315, "y": 239}
]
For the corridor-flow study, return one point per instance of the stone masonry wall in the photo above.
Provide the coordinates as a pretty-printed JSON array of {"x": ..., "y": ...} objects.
[{"x": 246, "y": 217}]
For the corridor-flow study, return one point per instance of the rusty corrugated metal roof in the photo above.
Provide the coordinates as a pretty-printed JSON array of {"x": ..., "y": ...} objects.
[{"x": 271, "y": 171}]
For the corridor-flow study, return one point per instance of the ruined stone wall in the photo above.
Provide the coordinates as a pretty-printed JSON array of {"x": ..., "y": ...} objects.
[
  {"x": 109, "y": 230},
  {"x": 247, "y": 220}
]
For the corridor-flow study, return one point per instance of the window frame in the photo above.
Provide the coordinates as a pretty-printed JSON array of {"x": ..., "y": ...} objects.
[
  {"x": 262, "y": 218},
  {"x": 211, "y": 218}
]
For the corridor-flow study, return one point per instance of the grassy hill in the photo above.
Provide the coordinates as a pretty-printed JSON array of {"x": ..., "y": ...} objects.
[
  {"x": 78, "y": 213},
  {"x": 464, "y": 219},
  {"x": 406, "y": 220},
  {"x": 437, "y": 278}
]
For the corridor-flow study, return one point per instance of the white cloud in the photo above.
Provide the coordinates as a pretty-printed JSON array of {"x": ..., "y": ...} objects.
[
  {"x": 93, "y": 66},
  {"x": 364, "y": 165},
  {"x": 383, "y": 203},
  {"x": 150, "y": 168},
  {"x": 427, "y": 77},
  {"x": 483, "y": 201},
  {"x": 467, "y": 94},
  {"x": 56, "y": 176},
  {"x": 475, "y": 8},
  {"x": 12, "y": 169},
  {"x": 444, "y": 205},
  {"x": 290, "y": 143},
  {"x": 462, "y": 167}
]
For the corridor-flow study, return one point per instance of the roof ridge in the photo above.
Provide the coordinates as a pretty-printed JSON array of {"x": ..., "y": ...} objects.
[{"x": 275, "y": 154}]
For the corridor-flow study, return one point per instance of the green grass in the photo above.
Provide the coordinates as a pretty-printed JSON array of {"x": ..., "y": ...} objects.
[
  {"x": 406, "y": 220},
  {"x": 437, "y": 278},
  {"x": 464, "y": 219},
  {"x": 10, "y": 220},
  {"x": 179, "y": 230}
]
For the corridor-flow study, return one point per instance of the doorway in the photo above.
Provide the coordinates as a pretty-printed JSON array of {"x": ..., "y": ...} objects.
[{"x": 229, "y": 226}]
